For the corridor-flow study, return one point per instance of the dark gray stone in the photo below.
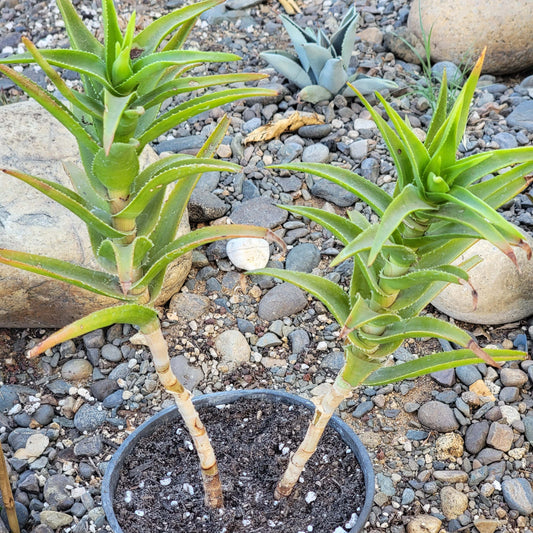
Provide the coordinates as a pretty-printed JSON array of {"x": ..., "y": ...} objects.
[
  {"x": 322, "y": 188},
  {"x": 437, "y": 416},
  {"x": 259, "y": 211},
  {"x": 205, "y": 206},
  {"x": 94, "y": 339},
  {"x": 8, "y": 398},
  {"x": 89, "y": 418},
  {"x": 59, "y": 387},
  {"x": 468, "y": 374},
  {"x": 114, "y": 400},
  {"x": 88, "y": 447},
  {"x": 528, "y": 428},
  {"x": 299, "y": 339},
  {"x": 120, "y": 371},
  {"x": 315, "y": 131},
  {"x": 303, "y": 257},
  {"x": 362, "y": 409},
  {"x": 21, "y": 512},
  {"x": 522, "y": 116},
  {"x": 505, "y": 140},
  {"x": 208, "y": 181},
  {"x": 189, "y": 142},
  {"x": 44, "y": 414},
  {"x": 518, "y": 495},
  {"x": 29, "y": 482},
  {"x": 333, "y": 361},
  {"x": 445, "y": 378},
  {"x": 103, "y": 388},
  {"x": 476, "y": 436}
]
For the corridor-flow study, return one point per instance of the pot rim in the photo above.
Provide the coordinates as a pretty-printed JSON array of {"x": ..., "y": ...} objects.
[{"x": 347, "y": 434}]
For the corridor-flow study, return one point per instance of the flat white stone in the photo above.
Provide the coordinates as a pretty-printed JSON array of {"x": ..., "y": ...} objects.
[{"x": 248, "y": 254}]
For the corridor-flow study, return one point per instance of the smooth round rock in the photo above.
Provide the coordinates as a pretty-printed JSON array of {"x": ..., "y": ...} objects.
[
  {"x": 44, "y": 414},
  {"x": 518, "y": 495},
  {"x": 462, "y": 29},
  {"x": 424, "y": 524},
  {"x": 303, "y": 257},
  {"x": 453, "y": 502},
  {"x": 260, "y": 212},
  {"x": 437, "y": 416},
  {"x": 315, "y": 153},
  {"x": 281, "y": 301},
  {"x": 188, "y": 306},
  {"x": 89, "y": 417},
  {"x": 248, "y": 254},
  {"x": 21, "y": 512},
  {"x": 233, "y": 348},
  {"x": 504, "y": 294},
  {"x": 476, "y": 436},
  {"x": 112, "y": 353},
  {"x": 76, "y": 370},
  {"x": 513, "y": 377}
]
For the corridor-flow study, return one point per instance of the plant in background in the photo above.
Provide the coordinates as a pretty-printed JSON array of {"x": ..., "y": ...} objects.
[
  {"x": 321, "y": 66},
  {"x": 438, "y": 209},
  {"x": 131, "y": 217}
]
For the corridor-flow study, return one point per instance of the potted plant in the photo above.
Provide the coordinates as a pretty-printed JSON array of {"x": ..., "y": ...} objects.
[
  {"x": 130, "y": 215},
  {"x": 440, "y": 206}
]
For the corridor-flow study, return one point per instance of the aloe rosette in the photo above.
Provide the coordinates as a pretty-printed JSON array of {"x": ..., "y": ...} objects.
[
  {"x": 440, "y": 206},
  {"x": 132, "y": 215},
  {"x": 321, "y": 66}
]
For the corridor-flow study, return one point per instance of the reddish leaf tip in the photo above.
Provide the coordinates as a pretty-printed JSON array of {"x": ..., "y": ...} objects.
[{"x": 472, "y": 345}]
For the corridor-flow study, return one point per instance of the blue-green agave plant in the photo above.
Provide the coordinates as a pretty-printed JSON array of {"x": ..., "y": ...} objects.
[{"x": 321, "y": 66}]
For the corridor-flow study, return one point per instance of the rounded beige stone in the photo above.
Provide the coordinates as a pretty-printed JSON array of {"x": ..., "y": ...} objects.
[
  {"x": 461, "y": 29},
  {"x": 36, "y": 143}
]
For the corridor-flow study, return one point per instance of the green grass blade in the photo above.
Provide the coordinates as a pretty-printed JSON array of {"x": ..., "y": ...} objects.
[
  {"x": 196, "y": 106},
  {"x": 71, "y": 201},
  {"x": 92, "y": 280},
  {"x": 434, "y": 363},
  {"x": 112, "y": 33},
  {"x": 328, "y": 292},
  {"x": 135, "y": 314},
  {"x": 180, "y": 35},
  {"x": 53, "y": 106},
  {"x": 373, "y": 195}
]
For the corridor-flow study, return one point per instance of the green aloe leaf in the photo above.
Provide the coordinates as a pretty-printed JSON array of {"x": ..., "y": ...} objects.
[
  {"x": 151, "y": 37},
  {"x": 289, "y": 66},
  {"x": 155, "y": 64},
  {"x": 407, "y": 202},
  {"x": 317, "y": 57},
  {"x": 53, "y": 106},
  {"x": 439, "y": 116},
  {"x": 138, "y": 315},
  {"x": 112, "y": 34},
  {"x": 333, "y": 75},
  {"x": 92, "y": 280},
  {"x": 71, "y": 201},
  {"x": 362, "y": 315},
  {"x": 368, "y": 85},
  {"x": 180, "y": 35},
  {"x": 373, "y": 195},
  {"x": 84, "y": 186},
  {"x": 191, "y": 167},
  {"x": 196, "y": 106},
  {"x": 189, "y": 84},
  {"x": 299, "y": 36},
  {"x": 196, "y": 238},
  {"x": 329, "y": 293},
  {"x": 447, "y": 273},
  {"x": 345, "y": 230},
  {"x": 114, "y": 109},
  {"x": 173, "y": 210},
  {"x": 434, "y": 363}
]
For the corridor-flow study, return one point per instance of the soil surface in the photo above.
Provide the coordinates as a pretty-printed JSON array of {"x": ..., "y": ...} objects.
[{"x": 160, "y": 487}]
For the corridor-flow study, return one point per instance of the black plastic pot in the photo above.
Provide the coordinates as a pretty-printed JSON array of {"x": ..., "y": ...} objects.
[{"x": 114, "y": 467}]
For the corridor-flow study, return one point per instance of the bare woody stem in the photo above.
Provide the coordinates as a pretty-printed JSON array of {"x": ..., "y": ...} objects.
[
  {"x": 209, "y": 467},
  {"x": 7, "y": 495},
  {"x": 325, "y": 408}
]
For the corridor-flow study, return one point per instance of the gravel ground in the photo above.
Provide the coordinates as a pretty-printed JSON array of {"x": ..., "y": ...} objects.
[{"x": 456, "y": 446}]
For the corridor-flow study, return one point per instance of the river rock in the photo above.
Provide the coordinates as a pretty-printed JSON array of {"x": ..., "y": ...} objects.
[
  {"x": 460, "y": 30},
  {"x": 233, "y": 348},
  {"x": 504, "y": 294},
  {"x": 424, "y": 524},
  {"x": 453, "y": 502},
  {"x": 518, "y": 495},
  {"x": 35, "y": 143},
  {"x": 437, "y": 416}
]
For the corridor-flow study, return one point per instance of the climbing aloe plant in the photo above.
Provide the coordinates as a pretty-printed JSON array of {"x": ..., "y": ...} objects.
[
  {"x": 438, "y": 209},
  {"x": 131, "y": 217}
]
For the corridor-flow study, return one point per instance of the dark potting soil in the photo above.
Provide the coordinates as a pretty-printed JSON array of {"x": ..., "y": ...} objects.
[{"x": 160, "y": 485}]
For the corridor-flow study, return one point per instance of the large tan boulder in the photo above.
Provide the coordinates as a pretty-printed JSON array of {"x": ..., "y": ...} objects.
[
  {"x": 461, "y": 29},
  {"x": 34, "y": 142},
  {"x": 504, "y": 293}
]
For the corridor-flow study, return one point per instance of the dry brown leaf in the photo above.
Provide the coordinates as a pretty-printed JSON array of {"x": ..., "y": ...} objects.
[
  {"x": 290, "y": 6},
  {"x": 273, "y": 130}
]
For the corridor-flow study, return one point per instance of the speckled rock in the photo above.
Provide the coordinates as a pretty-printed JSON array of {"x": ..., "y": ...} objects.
[
  {"x": 453, "y": 502},
  {"x": 34, "y": 142},
  {"x": 281, "y": 301},
  {"x": 461, "y": 28},
  {"x": 76, "y": 370},
  {"x": 504, "y": 294},
  {"x": 518, "y": 495},
  {"x": 438, "y": 416},
  {"x": 424, "y": 524},
  {"x": 233, "y": 348}
]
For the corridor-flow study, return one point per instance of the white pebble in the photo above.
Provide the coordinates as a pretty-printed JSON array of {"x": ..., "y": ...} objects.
[
  {"x": 128, "y": 497},
  {"x": 139, "y": 512},
  {"x": 248, "y": 254},
  {"x": 166, "y": 481},
  {"x": 188, "y": 488},
  {"x": 310, "y": 497}
]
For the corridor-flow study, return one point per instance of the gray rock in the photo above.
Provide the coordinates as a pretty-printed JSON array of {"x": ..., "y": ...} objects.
[
  {"x": 416, "y": 434},
  {"x": 35, "y": 142},
  {"x": 242, "y": 4},
  {"x": 268, "y": 340},
  {"x": 18, "y": 437},
  {"x": 444, "y": 377},
  {"x": 233, "y": 348},
  {"x": 76, "y": 370},
  {"x": 205, "y": 206},
  {"x": 289, "y": 151},
  {"x": 281, "y": 301},
  {"x": 513, "y": 377},
  {"x": 408, "y": 496},
  {"x": 509, "y": 394},
  {"x": 208, "y": 181},
  {"x": 94, "y": 339},
  {"x": 303, "y": 257},
  {"x": 528, "y": 427},
  {"x": 437, "y": 416},
  {"x": 55, "y": 519},
  {"x": 333, "y": 361},
  {"x": 251, "y": 125},
  {"x": 188, "y": 306},
  {"x": 8, "y": 398},
  {"x": 322, "y": 188},
  {"x": 315, "y": 131},
  {"x": 505, "y": 140},
  {"x": 488, "y": 456},
  {"x": 59, "y": 387},
  {"x": 299, "y": 339},
  {"x": 453, "y": 73},
  {"x": 44, "y": 414},
  {"x": 89, "y": 418},
  {"x": 21, "y": 512},
  {"x": 359, "y": 149},
  {"x": 112, "y": 353},
  {"x": 120, "y": 371},
  {"x": 114, "y": 400},
  {"x": 102, "y": 388},
  {"x": 316, "y": 153},
  {"x": 362, "y": 409},
  {"x": 500, "y": 437},
  {"x": 29, "y": 482},
  {"x": 522, "y": 116},
  {"x": 246, "y": 326},
  {"x": 189, "y": 375},
  {"x": 468, "y": 374},
  {"x": 476, "y": 436},
  {"x": 89, "y": 447},
  {"x": 518, "y": 495},
  {"x": 259, "y": 211},
  {"x": 370, "y": 169},
  {"x": 180, "y": 144},
  {"x": 56, "y": 493},
  {"x": 385, "y": 484}
]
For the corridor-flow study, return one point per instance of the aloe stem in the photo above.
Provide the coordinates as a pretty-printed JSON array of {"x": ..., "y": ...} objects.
[
  {"x": 324, "y": 410},
  {"x": 7, "y": 495},
  {"x": 208, "y": 463}
]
